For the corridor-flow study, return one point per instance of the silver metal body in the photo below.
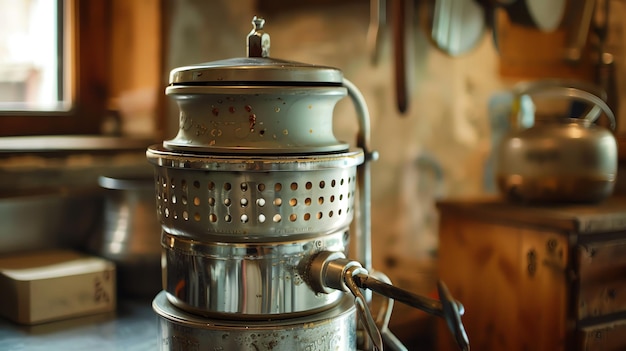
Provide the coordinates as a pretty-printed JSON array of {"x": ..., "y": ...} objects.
[
  {"x": 257, "y": 119},
  {"x": 252, "y": 189},
  {"x": 236, "y": 230},
  {"x": 333, "y": 329},
  {"x": 257, "y": 198},
  {"x": 246, "y": 280}
]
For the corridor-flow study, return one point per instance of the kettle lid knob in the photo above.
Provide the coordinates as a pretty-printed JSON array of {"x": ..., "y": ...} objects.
[{"x": 258, "y": 42}]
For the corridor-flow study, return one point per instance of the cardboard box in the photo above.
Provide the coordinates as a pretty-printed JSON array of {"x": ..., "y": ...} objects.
[{"x": 55, "y": 284}]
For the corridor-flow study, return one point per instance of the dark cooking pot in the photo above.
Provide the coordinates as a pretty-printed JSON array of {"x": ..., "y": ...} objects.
[{"x": 130, "y": 234}]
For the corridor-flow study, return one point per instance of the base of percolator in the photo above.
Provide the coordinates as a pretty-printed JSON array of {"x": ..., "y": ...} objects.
[{"x": 333, "y": 329}]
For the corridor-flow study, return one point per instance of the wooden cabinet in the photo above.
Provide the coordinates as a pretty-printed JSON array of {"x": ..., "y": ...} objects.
[{"x": 536, "y": 278}]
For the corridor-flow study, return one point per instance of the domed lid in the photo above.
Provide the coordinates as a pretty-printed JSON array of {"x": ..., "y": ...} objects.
[{"x": 256, "y": 69}]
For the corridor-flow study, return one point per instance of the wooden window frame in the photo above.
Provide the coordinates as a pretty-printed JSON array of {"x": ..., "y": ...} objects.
[{"x": 90, "y": 79}]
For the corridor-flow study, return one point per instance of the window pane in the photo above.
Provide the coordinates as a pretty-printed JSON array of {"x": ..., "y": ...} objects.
[{"x": 31, "y": 56}]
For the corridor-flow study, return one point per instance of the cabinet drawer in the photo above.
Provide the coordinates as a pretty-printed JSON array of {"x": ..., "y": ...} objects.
[
  {"x": 603, "y": 337},
  {"x": 602, "y": 278}
]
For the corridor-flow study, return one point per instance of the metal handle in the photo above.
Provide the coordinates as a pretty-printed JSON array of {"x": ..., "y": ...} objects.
[
  {"x": 361, "y": 306},
  {"x": 364, "y": 236},
  {"x": 258, "y": 42},
  {"x": 556, "y": 89}
]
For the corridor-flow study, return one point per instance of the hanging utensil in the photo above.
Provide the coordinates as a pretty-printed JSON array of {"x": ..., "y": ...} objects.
[
  {"x": 541, "y": 14},
  {"x": 453, "y": 26},
  {"x": 581, "y": 13},
  {"x": 377, "y": 29},
  {"x": 401, "y": 12},
  {"x": 605, "y": 65}
]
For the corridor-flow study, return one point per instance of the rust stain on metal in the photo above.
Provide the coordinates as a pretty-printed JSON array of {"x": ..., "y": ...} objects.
[{"x": 252, "y": 120}]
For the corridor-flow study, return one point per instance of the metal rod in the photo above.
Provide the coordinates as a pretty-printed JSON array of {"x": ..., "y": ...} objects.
[
  {"x": 425, "y": 304},
  {"x": 364, "y": 234}
]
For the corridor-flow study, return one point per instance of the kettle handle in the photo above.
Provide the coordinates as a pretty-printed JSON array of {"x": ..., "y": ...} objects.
[{"x": 547, "y": 90}]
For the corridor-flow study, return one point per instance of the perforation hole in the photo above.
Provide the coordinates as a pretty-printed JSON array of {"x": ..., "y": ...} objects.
[
  {"x": 278, "y": 201},
  {"x": 196, "y": 201},
  {"x": 293, "y": 202},
  {"x": 332, "y": 198},
  {"x": 211, "y": 201},
  {"x": 307, "y": 216},
  {"x": 228, "y": 218},
  {"x": 330, "y": 214},
  {"x": 293, "y": 217},
  {"x": 185, "y": 215},
  {"x": 211, "y": 185},
  {"x": 322, "y": 184},
  {"x": 308, "y": 185},
  {"x": 196, "y": 184},
  {"x": 261, "y": 218},
  {"x": 307, "y": 201},
  {"x": 277, "y": 218},
  {"x": 260, "y": 202},
  {"x": 244, "y": 218},
  {"x": 173, "y": 198},
  {"x": 244, "y": 186},
  {"x": 333, "y": 183},
  {"x": 184, "y": 200},
  {"x": 260, "y": 187},
  {"x": 227, "y": 202},
  {"x": 227, "y": 186},
  {"x": 294, "y": 186},
  {"x": 243, "y": 202},
  {"x": 183, "y": 183},
  {"x": 196, "y": 217},
  {"x": 319, "y": 215},
  {"x": 320, "y": 200},
  {"x": 213, "y": 218},
  {"x": 278, "y": 187}
]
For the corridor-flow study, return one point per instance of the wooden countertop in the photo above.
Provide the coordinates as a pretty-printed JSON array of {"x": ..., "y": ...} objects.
[{"x": 604, "y": 217}]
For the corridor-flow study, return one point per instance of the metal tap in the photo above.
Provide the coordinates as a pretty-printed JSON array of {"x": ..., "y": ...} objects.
[{"x": 329, "y": 271}]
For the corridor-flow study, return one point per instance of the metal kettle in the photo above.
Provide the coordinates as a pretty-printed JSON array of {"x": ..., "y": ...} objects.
[{"x": 561, "y": 159}]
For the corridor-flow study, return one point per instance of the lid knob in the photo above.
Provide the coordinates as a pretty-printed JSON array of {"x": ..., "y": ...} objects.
[{"x": 258, "y": 41}]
